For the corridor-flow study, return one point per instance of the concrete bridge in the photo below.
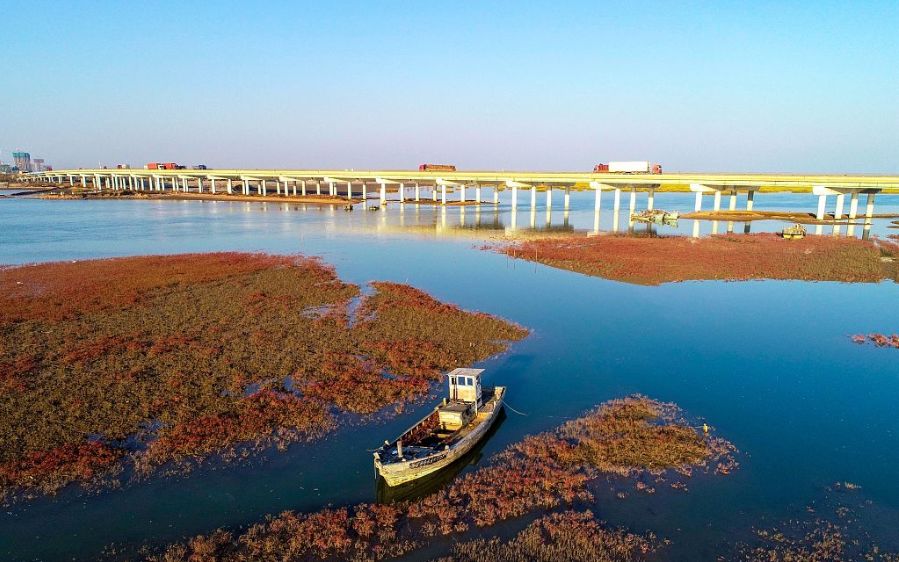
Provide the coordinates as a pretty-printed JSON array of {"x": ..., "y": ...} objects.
[{"x": 410, "y": 185}]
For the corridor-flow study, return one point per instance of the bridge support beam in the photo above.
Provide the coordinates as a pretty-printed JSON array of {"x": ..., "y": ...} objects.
[
  {"x": 402, "y": 192},
  {"x": 417, "y": 192},
  {"x": 567, "y": 200},
  {"x": 822, "y": 205},
  {"x": 749, "y": 197},
  {"x": 533, "y": 198},
  {"x": 477, "y": 193},
  {"x": 838, "y": 211},
  {"x": 514, "y": 198},
  {"x": 443, "y": 194},
  {"x": 462, "y": 193},
  {"x": 698, "y": 204},
  {"x": 632, "y": 207},
  {"x": 853, "y": 205},
  {"x": 650, "y": 199},
  {"x": 549, "y": 197},
  {"x": 616, "y": 201}
]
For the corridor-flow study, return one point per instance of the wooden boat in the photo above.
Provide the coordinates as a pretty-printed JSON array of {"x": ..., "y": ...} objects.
[
  {"x": 795, "y": 232},
  {"x": 444, "y": 435},
  {"x": 427, "y": 485}
]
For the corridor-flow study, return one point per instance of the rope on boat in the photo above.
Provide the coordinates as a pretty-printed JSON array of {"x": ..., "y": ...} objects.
[{"x": 513, "y": 409}]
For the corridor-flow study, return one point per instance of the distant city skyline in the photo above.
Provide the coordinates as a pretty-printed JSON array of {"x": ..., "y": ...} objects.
[{"x": 724, "y": 86}]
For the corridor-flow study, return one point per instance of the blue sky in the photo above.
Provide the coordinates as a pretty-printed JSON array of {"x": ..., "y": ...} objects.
[{"x": 730, "y": 86}]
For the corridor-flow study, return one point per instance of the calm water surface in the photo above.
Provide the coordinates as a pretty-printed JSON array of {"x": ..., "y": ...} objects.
[{"x": 769, "y": 364}]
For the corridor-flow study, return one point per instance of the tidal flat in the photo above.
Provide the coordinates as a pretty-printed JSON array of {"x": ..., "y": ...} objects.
[
  {"x": 770, "y": 363},
  {"x": 165, "y": 360}
]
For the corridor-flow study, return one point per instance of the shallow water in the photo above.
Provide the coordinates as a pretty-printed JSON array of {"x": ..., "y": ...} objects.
[{"x": 768, "y": 363}]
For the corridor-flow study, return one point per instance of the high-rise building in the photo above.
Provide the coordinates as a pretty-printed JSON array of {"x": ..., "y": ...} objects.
[
  {"x": 37, "y": 165},
  {"x": 23, "y": 161}
]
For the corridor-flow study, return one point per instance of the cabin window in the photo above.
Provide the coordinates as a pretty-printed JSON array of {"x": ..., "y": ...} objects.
[{"x": 453, "y": 381}]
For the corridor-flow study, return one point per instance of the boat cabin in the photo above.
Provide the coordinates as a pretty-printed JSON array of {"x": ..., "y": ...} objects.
[{"x": 464, "y": 399}]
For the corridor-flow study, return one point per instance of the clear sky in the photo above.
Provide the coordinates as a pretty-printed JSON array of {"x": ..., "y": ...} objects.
[{"x": 729, "y": 86}]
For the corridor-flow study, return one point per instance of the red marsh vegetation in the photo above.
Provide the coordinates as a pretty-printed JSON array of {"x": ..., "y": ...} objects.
[
  {"x": 655, "y": 260},
  {"x": 837, "y": 530},
  {"x": 570, "y": 536},
  {"x": 633, "y": 436},
  {"x": 174, "y": 358},
  {"x": 880, "y": 340}
]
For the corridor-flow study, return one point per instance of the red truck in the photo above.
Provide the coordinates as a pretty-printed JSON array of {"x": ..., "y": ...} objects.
[
  {"x": 436, "y": 168},
  {"x": 163, "y": 166}
]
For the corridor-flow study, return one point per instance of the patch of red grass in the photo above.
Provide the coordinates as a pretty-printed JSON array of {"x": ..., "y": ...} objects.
[
  {"x": 109, "y": 348},
  {"x": 541, "y": 472},
  {"x": 54, "y": 468},
  {"x": 569, "y": 536},
  {"x": 880, "y": 340},
  {"x": 656, "y": 260},
  {"x": 62, "y": 289}
]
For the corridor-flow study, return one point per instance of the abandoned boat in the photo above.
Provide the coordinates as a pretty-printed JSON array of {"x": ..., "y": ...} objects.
[
  {"x": 795, "y": 232},
  {"x": 444, "y": 435},
  {"x": 656, "y": 215}
]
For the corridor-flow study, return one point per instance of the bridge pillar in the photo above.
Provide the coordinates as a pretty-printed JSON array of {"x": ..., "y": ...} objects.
[
  {"x": 567, "y": 200},
  {"x": 230, "y": 187},
  {"x": 750, "y": 195},
  {"x": 716, "y": 205},
  {"x": 84, "y": 182},
  {"x": 477, "y": 193},
  {"x": 549, "y": 197},
  {"x": 822, "y": 204},
  {"x": 838, "y": 212},
  {"x": 318, "y": 187},
  {"x": 434, "y": 193},
  {"x": 212, "y": 185},
  {"x": 402, "y": 192},
  {"x": 417, "y": 192},
  {"x": 496, "y": 195},
  {"x": 514, "y": 198},
  {"x": 364, "y": 193},
  {"x": 533, "y": 198},
  {"x": 462, "y": 193},
  {"x": 331, "y": 191},
  {"x": 698, "y": 205},
  {"x": 869, "y": 215},
  {"x": 264, "y": 188},
  {"x": 349, "y": 190},
  {"x": 616, "y": 202},
  {"x": 383, "y": 195},
  {"x": 853, "y": 205},
  {"x": 443, "y": 193},
  {"x": 632, "y": 207},
  {"x": 303, "y": 188},
  {"x": 597, "y": 205},
  {"x": 650, "y": 199}
]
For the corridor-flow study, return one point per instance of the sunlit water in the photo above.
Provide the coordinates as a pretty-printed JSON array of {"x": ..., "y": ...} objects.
[{"x": 768, "y": 363}]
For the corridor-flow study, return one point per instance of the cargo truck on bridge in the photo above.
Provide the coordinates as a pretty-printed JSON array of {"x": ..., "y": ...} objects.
[
  {"x": 633, "y": 167},
  {"x": 436, "y": 168}
]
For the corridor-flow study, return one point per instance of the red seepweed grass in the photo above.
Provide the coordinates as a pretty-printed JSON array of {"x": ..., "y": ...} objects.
[
  {"x": 654, "y": 260},
  {"x": 186, "y": 356},
  {"x": 541, "y": 472}
]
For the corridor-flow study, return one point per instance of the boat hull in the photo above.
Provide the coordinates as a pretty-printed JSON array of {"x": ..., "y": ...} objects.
[{"x": 398, "y": 473}]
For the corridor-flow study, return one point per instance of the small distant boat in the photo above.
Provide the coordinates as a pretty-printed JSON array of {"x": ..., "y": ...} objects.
[
  {"x": 444, "y": 435},
  {"x": 373, "y": 207},
  {"x": 656, "y": 215},
  {"x": 795, "y": 232},
  {"x": 347, "y": 207}
]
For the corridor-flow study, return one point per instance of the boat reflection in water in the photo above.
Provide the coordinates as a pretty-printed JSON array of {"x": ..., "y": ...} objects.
[{"x": 427, "y": 485}]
